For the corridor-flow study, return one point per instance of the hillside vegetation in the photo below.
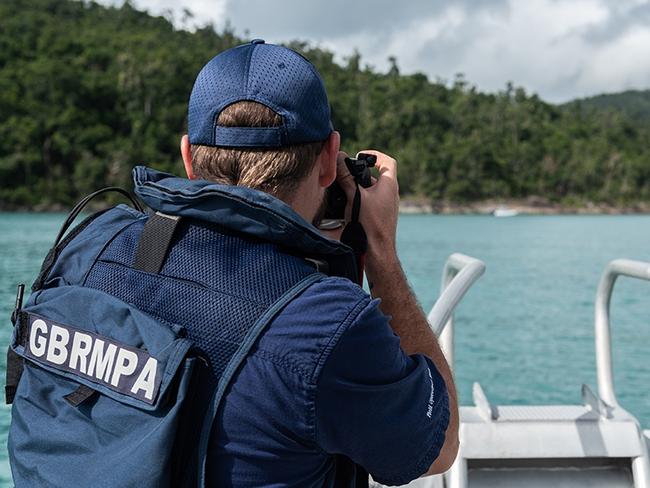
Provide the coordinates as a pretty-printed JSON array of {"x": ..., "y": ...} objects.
[
  {"x": 87, "y": 92},
  {"x": 634, "y": 103}
]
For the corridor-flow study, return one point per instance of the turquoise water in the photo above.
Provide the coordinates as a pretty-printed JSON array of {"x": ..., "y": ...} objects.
[{"x": 525, "y": 331}]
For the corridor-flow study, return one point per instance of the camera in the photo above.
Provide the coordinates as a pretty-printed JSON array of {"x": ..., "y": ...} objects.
[{"x": 359, "y": 168}]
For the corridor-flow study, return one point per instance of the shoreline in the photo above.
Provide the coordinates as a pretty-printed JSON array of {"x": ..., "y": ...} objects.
[
  {"x": 529, "y": 206},
  {"x": 417, "y": 206}
]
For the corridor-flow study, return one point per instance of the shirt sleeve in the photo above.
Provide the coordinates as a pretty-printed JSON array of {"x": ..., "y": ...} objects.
[{"x": 386, "y": 411}]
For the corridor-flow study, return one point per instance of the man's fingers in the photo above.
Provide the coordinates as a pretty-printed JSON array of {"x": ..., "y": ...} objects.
[{"x": 385, "y": 164}]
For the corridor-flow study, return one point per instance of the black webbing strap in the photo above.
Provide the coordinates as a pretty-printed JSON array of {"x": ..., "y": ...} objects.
[
  {"x": 154, "y": 242},
  {"x": 79, "y": 396},
  {"x": 355, "y": 236},
  {"x": 356, "y": 205},
  {"x": 361, "y": 480},
  {"x": 14, "y": 372},
  {"x": 14, "y": 361}
]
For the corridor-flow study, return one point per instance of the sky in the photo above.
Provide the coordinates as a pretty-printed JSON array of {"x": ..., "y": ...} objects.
[{"x": 559, "y": 49}]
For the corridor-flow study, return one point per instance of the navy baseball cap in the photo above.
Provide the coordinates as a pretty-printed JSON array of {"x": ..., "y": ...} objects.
[{"x": 274, "y": 76}]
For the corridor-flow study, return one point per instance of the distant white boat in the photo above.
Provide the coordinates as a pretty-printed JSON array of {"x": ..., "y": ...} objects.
[{"x": 505, "y": 212}]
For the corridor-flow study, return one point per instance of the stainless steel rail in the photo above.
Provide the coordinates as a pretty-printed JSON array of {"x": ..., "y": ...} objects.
[
  {"x": 459, "y": 274},
  {"x": 616, "y": 268}
]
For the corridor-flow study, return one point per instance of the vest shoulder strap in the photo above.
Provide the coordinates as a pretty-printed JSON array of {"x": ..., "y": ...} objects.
[
  {"x": 154, "y": 243},
  {"x": 237, "y": 359}
]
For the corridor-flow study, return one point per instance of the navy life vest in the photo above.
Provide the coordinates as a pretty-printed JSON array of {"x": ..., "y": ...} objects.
[{"x": 136, "y": 325}]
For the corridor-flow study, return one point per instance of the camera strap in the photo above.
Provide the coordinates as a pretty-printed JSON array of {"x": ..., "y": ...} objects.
[{"x": 355, "y": 236}]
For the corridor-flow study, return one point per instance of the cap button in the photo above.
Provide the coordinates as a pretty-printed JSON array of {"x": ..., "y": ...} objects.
[{"x": 257, "y": 41}]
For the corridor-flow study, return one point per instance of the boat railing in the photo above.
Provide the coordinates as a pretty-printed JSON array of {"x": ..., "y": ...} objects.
[
  {"x": 459, "y": 274},
  {"x": 616, "y": 268},
  {"x": 597, "y": 443}
]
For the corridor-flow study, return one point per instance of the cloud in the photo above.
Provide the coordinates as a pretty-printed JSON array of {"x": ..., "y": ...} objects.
[
  {"x": 561, "y": 49},
  {"x": 620, "y": 64},
  {"x": 204, "y": 10},
  {"x": 623, "y": 16}
]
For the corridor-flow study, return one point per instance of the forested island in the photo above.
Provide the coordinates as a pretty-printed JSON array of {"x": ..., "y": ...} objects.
[{"x": 88, "y": 91}]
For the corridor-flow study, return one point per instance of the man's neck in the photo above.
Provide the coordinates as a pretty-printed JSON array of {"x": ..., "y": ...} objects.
[{"x": 305, "y": 202}]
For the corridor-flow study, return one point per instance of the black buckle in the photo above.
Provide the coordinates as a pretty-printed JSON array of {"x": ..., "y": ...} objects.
[{"x": 20, "y": 293}]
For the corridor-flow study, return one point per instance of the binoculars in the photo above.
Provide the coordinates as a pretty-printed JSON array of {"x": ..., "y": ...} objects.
[{"x": 359, "y": 168}]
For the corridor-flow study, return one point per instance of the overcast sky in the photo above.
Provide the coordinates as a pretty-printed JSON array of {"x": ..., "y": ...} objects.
[{"x": 560, "y": 49}]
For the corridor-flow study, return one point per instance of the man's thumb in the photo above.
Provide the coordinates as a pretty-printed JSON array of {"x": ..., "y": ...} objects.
[{"x": 343, "y": 176}]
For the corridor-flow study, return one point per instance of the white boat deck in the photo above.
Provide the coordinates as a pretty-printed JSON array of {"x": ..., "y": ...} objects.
[{"x": 595, "y": 444}]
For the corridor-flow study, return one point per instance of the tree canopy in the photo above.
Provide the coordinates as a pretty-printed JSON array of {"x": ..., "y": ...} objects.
[
  {"x": 634, "y": 103},
  {"x": 88, "y": 91}
]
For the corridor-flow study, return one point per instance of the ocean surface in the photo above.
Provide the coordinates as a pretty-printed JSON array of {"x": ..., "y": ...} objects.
[{"x": 525, "y": 331}]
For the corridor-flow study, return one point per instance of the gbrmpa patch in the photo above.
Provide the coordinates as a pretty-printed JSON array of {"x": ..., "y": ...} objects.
[{"x": 125, "y": 369}]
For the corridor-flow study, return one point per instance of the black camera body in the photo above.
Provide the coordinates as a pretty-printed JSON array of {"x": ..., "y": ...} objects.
[{"x": 359, "y": 168}]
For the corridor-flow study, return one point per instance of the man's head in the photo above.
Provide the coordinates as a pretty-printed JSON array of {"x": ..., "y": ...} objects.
[{"x": 259, "y": 117}]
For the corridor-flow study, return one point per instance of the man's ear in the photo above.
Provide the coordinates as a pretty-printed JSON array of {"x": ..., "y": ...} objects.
[
  {"x": 186, "y": 153},
  {"x": 328, "y": 158}
]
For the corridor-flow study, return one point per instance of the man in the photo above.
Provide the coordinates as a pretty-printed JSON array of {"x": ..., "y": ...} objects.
[{"x": 337, "y": 379}]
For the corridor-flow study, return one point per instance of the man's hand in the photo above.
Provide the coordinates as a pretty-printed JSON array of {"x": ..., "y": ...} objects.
[{"x": 379, "y": 207}]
